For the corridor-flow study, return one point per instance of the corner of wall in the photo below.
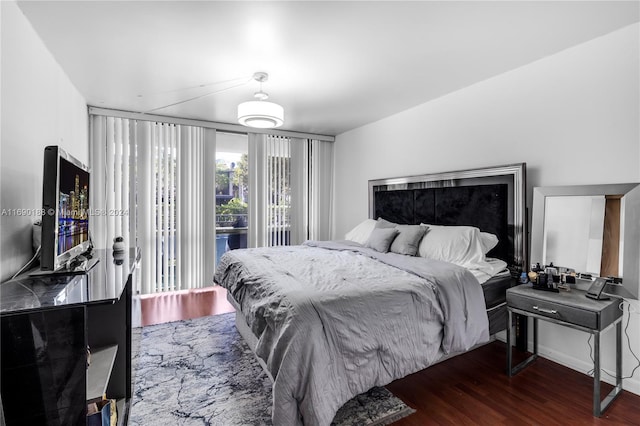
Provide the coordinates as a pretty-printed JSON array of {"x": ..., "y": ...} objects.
[{"x": 40, "y": 107}]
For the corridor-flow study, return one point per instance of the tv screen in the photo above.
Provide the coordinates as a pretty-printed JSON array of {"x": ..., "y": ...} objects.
[{"x": 65, "y": 222}]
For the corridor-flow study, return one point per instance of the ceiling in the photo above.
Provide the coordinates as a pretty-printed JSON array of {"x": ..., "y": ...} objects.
[{"x": 333, "y": 66}]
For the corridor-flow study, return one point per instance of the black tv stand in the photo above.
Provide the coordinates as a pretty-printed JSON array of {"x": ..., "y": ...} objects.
[{"x": 48, "y": 323}]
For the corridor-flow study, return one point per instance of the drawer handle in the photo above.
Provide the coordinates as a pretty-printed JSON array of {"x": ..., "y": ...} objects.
[{"x": 546, "y": 311}]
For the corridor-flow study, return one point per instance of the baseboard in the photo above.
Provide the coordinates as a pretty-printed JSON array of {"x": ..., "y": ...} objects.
[{"x": 631, "y": 384}]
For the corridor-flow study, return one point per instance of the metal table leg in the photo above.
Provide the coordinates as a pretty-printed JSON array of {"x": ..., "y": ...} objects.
[
  {"x": 598, "y": 405},
  {"x": 509, "y": 354},
  {"x": 512, "y": 371}
]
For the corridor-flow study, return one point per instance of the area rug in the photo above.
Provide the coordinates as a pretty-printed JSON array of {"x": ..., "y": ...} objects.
[{"x": 201, "y": 372}]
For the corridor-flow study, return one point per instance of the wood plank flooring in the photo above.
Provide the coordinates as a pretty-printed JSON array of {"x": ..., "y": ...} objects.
[
  {"x": 473, "y": 389},
  {"x": 470, "y": 389}
]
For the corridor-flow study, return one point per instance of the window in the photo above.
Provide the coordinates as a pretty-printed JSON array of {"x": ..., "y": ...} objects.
[{"x": 232, "y": 192}]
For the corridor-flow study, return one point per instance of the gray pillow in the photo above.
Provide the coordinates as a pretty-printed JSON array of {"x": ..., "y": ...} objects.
[
  {"x": 383, "y": 223},
  {"x": 381, "y": 238},
  {"x": 408, "y": 240}
]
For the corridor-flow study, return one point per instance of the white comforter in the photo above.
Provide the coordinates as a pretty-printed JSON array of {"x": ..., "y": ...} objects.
[{"x": 336, "y": 320}]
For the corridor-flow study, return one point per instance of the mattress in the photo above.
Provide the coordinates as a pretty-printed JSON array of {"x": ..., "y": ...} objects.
[
  {"x": 495, "y": 298},
  {"x": 494, "y": 291}
]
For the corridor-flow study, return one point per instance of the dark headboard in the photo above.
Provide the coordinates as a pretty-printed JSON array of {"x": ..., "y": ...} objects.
[{"x": 492, "y": 199}]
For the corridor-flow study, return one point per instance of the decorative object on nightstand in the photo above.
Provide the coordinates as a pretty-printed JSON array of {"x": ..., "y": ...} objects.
[
  {"x": 595, "y": 291},
  {"x": 570, "y": 309},
  {"x": 551, "y": 278},
  {"x": 119, "y": 252},
  {"x": 118, "y": 244}
]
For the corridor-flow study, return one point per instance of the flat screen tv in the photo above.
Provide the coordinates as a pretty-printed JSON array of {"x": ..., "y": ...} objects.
[{"x": 65, "y": 203}]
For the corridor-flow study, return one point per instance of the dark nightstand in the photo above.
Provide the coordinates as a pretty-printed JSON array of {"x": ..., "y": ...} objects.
[{"x": 570, "y": 309}]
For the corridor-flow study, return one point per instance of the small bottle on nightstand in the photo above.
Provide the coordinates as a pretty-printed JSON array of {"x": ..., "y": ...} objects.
[{"x": 524, "y": 278}]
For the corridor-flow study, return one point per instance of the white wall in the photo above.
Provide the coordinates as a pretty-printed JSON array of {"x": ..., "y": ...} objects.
[
  {"x": 40, "y": 107},
  {"x": 572, "y": 117}
]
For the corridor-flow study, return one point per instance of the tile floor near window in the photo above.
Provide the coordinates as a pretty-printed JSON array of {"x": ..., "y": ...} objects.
[{"x": 179, "y": 305}]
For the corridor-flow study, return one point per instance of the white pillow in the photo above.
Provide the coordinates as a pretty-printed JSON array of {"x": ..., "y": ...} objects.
[
  {"x": 361, "y": 233},
  {"x": 488, "y": 241},
  {"x": 456, "y": 244}
]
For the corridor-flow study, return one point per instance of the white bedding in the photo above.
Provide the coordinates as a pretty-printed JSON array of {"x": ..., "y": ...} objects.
[{"x": 490, "y": 268}]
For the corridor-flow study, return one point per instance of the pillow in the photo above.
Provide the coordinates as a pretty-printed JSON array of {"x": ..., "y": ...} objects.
[
  {"x": 360, "y": 234},
  {"x": 408, "y": 239},
  {"x": 488, "y": 241},
  {"x": 456, "y": 244},
  {"x": 383, "y": 223},
  {"x": 381, "y": 239}
]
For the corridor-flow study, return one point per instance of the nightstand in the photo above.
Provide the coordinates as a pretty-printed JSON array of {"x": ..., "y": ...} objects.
[{"x": 570, "y": 309}]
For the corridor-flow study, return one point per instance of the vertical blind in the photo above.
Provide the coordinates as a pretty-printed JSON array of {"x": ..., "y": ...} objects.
[
  {"x": 320, "y": 189},
  {"x": 163, "y": 183},
  {"x": 299, "y": 191},
  {"x": 291, "y": 181},
  {"x": 159, "y": 179},
  {"x": 177, "y": 206},
  {"x": 113, "y": 169},
  {"x": 164, "y": 174},
  {"x": 270, "y": 190},
  {"x": 278, "y": 152}
]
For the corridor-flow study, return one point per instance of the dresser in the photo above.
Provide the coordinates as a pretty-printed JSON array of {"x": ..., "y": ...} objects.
[
  {"x": 66, "y": 342},
  {"x": 569, "y": 309}
]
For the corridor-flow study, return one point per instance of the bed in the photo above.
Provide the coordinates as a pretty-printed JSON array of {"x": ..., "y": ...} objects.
[{"x": 328, "y": 320}]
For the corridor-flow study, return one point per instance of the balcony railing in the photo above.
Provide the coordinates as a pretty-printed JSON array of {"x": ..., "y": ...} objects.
[
  {"x": 225, "y": 221},
  {"x": 231, "y": 232}
]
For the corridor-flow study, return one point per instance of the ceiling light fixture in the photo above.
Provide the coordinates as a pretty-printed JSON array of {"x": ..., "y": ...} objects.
[{"x": 260, "y": 113}]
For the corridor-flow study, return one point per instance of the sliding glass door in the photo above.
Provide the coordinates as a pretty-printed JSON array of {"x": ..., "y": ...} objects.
[{"x": 232, "y": 192}]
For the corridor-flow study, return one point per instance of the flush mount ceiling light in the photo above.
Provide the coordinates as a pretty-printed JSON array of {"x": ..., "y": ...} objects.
[{"x": 260, "y": 113}]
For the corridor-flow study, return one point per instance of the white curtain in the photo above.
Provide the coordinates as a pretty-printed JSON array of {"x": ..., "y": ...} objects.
[
  {"x": 164, "y": 174},
  {"x": 299, "y": 191},
  {"x": 269, "y": 190},
  {"x": 112, "y": 161},
  {"x": 320, "y": 189},
  {"x": 157, "y": 181},
  {"x": 257, "y": 228},
  {"x": 195, "y": 236},
  {"x": 177, "y": 231},
  {"x": 278, "y": 190},
  {"x": 290, "y": 190}
]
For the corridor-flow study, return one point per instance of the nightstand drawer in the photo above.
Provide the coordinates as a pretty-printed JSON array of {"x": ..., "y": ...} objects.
[
  {"x": 571, "y": 307},
  {"x": 549, "y": 309}
]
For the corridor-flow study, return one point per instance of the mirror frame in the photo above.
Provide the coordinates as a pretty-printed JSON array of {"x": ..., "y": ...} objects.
[{"x": 630, "y": 287}]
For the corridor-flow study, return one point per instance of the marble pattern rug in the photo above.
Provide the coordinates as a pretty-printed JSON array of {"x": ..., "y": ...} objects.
[{"x": 201, "y": 372}]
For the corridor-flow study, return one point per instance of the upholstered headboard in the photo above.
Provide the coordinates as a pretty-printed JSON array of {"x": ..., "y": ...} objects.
[{"x": 492, "y": 199}]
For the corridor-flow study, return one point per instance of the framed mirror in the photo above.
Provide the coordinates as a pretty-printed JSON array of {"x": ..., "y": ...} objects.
[{"x": 592, "y": 229}]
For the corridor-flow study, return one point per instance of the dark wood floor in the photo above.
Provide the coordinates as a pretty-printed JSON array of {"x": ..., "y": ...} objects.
[
  {"x": 470, "y": 389},
  {"x": 473, "y": 389}
]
